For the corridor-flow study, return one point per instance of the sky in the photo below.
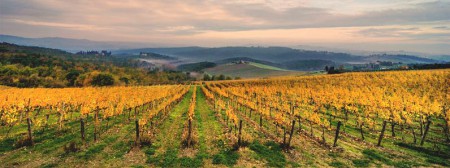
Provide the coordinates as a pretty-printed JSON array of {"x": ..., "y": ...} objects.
[{"x": 369, "y": 25}]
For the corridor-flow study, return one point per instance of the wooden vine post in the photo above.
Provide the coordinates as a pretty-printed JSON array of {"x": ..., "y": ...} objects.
[
  {"x": 299, "y": 124},
  {"x": 323, "y": 135},
  {"x": 336, "y": 136},
  {"x": 414, "y": 135},
  {"x": 30, "y": 134},
  {"x": 83, "y": 136},
  {"x": 95, "y": 125},
  {"x": 382, "y": 133},
  {"x": 290, "y": 134},
  {"x": 136, "y": 143},
  {"x": 46, "y": 122},
  {"x": 427, "y": 127},
  {"x": 62, "y": 116},
  {"x": 129, "y": 114},
  {"x": 240, "y": 134},
  {"x": 393, "y": 129},
  {"x": 260, "y": 120},
  {"x": 361, "y": 131}
]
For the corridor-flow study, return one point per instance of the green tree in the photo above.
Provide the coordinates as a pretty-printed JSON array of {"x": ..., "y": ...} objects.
[
  {"x": 125, "y": 80},
  {"x": 221, "y": 77},
  {"x": 25, "y": 82},
  {"x": 71, "y": 77},
  {"x": 206, "y": 77},
  {"x": 103, "y": 80}
]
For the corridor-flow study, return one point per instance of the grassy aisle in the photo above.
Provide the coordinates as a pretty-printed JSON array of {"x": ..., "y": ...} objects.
[
  {"x": 167, "y": 150},
  {"x": 164, "y": 151},
  {"x": 212, "y": 146}
]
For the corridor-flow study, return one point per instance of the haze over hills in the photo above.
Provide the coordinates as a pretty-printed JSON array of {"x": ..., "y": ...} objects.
[
  {"x": 281, "y": 57},
  {"x": 73, "y": 45},
  {"x": 273, "y": 54}
]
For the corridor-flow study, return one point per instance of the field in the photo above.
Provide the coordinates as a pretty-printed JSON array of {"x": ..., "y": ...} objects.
[
  {"x": 375, "y": 119},
  {"x": 251, "y": 70}
]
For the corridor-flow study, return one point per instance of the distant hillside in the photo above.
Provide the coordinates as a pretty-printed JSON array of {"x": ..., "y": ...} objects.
[
  {"x": 274, "y": 56},
  {"x": 22, "y": 66},
  {"x": 172, "y": 51},
  {"x": 270, "y": 54},
  {"x": 400, "y": 58},
  {"x": 264, "y": 66},
  {"x": 308, "y": 65},
  {"x": 199, "y": 66},
  {"x": 300, "y": 65},
  {"x": 67, "y": 44},
  {"x": 248, "y": 71},
  {"x": 237, "y": 59},
  {"x": 7, "y": 47},
  {"x": 150, "y": 55},
  {"x": 445, "y": 58}
]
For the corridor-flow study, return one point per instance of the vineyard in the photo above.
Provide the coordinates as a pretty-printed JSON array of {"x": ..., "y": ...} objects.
[{"x": 393, "y": 119}]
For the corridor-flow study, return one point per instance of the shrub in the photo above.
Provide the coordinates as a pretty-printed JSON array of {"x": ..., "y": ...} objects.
[{"x": 103, "y": 80}]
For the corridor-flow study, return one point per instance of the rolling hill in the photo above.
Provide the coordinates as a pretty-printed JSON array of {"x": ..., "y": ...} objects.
[
  {"x": 308, "y": 65},
  {"x": 445, "y": 58},
  {"x": 280, "y": 57},
  {"x": 399, "y": 58},
  {"x": 22, "y": 66},
  {"x": 198, "y": 66},
  {"x": 271, "y": 54},
  {"x": 237, "y": 59},
  {"x": 250, "y": 70},
  {"x": 276, "y": 56},
  {"x": 173, "y": 51}
]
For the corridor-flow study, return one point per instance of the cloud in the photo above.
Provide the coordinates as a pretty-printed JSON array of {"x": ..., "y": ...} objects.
[
  {"x": 388, "y": 32},
  {"x": 311, "y": 17},
  {"x": 179, "y": 30},
  {"x": 413, "y": 34},
  {"x": 217, "y": 15},
  {"x": 60, "y": 25},
  {"x": 187, "y": 20},
  {"x": 442, "y": 28}
]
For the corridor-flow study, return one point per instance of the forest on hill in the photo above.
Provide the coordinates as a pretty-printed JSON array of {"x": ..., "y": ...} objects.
[{"x": 23, "y": 66}]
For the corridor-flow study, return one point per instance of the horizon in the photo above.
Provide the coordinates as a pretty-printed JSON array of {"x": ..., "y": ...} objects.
[
  {"x": 142, "y": 45},
  {"x": 412, "y": 26}
]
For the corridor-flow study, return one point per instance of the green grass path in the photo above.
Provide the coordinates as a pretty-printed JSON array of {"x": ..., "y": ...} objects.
[
  {"x": 164, "y": 151},
  {"x": 167, "y": 151}
]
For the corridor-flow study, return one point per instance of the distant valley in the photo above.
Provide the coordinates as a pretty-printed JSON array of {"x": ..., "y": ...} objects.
[{"x": 254, "y": 61}]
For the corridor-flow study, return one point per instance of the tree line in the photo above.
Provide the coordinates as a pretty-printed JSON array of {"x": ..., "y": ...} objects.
[
  {"x": 207, "y": 77},
  {"x": 22, "y": 66}
]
